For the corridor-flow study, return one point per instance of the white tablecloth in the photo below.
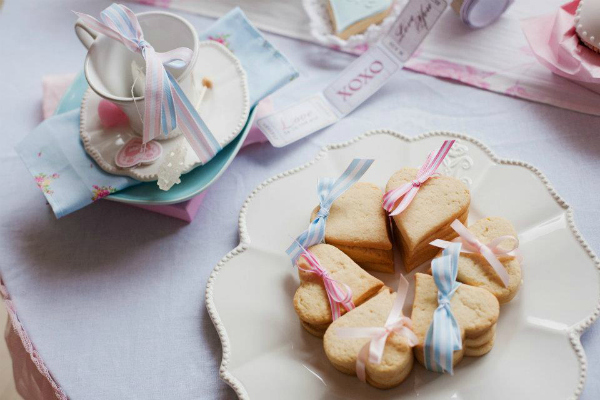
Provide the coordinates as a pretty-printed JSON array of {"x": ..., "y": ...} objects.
[{"x": 113, "y": 296}]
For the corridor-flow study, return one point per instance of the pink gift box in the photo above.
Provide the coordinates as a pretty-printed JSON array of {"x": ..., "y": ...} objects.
[{"x": 54, "y": 86}]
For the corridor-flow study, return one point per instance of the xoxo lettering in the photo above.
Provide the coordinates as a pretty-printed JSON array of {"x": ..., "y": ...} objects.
[{"x": 363, "y": 78}]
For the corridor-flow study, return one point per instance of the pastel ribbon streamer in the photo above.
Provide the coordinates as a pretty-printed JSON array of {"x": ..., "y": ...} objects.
[
  {"x": 166, "y": 106},
  {"x": 409, "y": 190},
  {"x": 489, "y": 251},
  {"x": 396, "y": 323},
  {"x": 443, "y": 336},
  {"x": 328, "y": 190},
  {"x": 338, "y": 293}
]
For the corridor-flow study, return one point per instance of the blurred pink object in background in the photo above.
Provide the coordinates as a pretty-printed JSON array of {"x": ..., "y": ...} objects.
[
  {"x": 53, "y": 88},
  {"x": 111, "y": 115},
  {"x": 556, "y": 46}
]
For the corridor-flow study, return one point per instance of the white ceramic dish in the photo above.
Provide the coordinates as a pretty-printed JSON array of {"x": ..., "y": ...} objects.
[
  {"x": 225, "y": 110},
  {"x": 537, "y": 353}
]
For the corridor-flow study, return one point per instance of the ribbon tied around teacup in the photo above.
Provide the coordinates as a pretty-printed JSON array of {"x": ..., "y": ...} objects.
[
  {"x": 328, "y": 190},
  {"x": 443, "y": 336},
  {"x": 396, "y": 323},
  {"x": 490, "y": 251},
  {"x": 166, "y": 106},
  {"x": 408, "y": 191},
  {"x": 339, "y": 294}
]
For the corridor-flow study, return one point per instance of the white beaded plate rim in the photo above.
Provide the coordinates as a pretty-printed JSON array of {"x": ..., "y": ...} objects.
[
  {"x": 574, "y": 331},
  {"x": 90, "y": 98}
]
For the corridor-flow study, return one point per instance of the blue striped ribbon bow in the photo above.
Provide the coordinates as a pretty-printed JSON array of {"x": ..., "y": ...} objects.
[
  {"x": 329, "y": 190},
  {"x": 166, "y": 106},
  {"x": 443, "y": 337}
]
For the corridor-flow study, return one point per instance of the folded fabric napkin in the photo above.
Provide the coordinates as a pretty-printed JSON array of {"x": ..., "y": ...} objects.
[
  {"x": 62, "y": 93},
  {"x": 70, "y": 179}
]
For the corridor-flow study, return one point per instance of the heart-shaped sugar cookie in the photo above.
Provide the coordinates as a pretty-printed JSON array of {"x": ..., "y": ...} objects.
[
  {"x": 358, "y": 225},
  {"x": 475, "y": 270},
  {"x": 311, "y": 302},
  {"x": 397, "y": 360},
  {"x": 476, "y": 311},
  {"x": 133, "y": 153},
  {"x": 350, "y": 17},
  {"x": 439, "y": 201}
]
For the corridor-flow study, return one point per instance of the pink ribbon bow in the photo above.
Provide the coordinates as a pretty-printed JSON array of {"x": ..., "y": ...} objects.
[
  {"x": 409, "y": 190},
  {"x": 490, "y": 251},
  {"x": 338, "y": 293},
  {"x": 396, "y": 323}
]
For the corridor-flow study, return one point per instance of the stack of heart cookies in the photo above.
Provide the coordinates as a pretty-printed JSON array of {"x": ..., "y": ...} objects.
[
  {"x": 476, "y": 311},
  {"x": 439, "y": 201},
  {"x": 397, "y": 359},
  {"x": 311, "y": 299},
  {"x": 475, "y": 270},
  {"x": 358, "y": 226}
]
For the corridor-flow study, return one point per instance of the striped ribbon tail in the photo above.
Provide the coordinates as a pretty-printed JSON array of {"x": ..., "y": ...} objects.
[
  {"x": 443, "y": 336},
  {"x": 328, "y": 190},
  {"x": 490, "y": 251},
  {"x": 193, "y": 127},
  {"x": 339, "y": 294},
  {"x": 166, "y": 106},
  {"x": 397, "y": 200}
]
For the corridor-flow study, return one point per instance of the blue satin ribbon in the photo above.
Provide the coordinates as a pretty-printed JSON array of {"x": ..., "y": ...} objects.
[
  {"x": 443, "y": 337},
  {"x": 328, "y": 190}
]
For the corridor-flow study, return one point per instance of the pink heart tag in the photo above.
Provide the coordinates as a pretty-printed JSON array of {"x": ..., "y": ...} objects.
[{"x": 131, "y": 154}]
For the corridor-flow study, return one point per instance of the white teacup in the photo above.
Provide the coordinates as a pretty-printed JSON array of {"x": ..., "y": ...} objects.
[{"x": 108, "y": 62}]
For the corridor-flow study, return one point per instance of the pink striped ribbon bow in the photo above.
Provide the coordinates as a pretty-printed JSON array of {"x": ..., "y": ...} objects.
[
  {"x": 396, "y": 323},
  {"x": 339, "y": 294},
  {"x": 490, "y": 251},
  {"x": 166, "y": 106},
  {"x": 409, "y": 190}
]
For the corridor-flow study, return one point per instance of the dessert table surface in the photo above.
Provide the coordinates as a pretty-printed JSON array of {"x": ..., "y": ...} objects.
[{"x": 113, "y": 296}]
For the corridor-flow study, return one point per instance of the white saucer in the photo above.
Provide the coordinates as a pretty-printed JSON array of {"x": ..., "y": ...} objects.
[{"x": 225, "y": 110}]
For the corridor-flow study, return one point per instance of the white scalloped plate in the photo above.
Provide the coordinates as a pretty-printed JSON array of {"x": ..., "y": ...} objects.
[
  {"x": 537, "y": 353},
  {"x": 225, "y": 110}
]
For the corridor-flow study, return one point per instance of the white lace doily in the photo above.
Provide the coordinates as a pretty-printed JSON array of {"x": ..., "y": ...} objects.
[{"x": 322, "y": 29}]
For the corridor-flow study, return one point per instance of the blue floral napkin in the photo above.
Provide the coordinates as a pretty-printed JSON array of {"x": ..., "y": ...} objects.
[{"x": 71, "y": 180}]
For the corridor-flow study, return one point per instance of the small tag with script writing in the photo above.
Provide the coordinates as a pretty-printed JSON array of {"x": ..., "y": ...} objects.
[
  {"x": 298, "y": 120},
  {"x": 357, "y": 82},
  {"x": 411, "y": 27}
]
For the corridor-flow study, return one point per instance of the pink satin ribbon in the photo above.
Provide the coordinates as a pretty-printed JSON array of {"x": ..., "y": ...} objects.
[
  {"x": 396, "y": 323},
  {"x": 490, "y": 251},
  {"x": 339, "y": 294},
  {"x": 409, "y": 190}
]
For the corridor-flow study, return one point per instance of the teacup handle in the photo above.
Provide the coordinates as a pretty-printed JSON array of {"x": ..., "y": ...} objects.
[{"x": 85, "y": 34}]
